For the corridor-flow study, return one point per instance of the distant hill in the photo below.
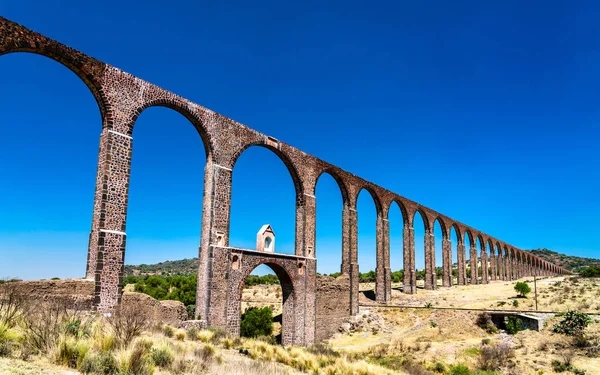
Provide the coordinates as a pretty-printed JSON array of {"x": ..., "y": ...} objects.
[
  {"x": 167, "y": 268},
  {"x": 190, "y": 266},
  {"x": 572, "y": 263}
]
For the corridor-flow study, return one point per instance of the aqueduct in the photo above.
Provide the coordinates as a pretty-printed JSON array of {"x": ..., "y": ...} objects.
[{"x": 122, "y": 97}]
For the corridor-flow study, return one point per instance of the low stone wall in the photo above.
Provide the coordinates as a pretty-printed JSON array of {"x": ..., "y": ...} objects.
[
  {"x": 77, "y": 293},
  {"x": 333, "y": 305}
]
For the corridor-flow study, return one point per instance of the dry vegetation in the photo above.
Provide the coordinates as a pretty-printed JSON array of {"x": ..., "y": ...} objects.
[{"x": 55, "y": 340}]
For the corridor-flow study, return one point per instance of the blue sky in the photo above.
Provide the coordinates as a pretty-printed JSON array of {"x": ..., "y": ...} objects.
[{"x": 485, "y": 111}]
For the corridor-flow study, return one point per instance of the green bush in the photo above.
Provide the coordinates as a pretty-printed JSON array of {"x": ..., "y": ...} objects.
[
  {"x": 459, "y": 370},
  {"x": 513, "y": 325},
  {"x": 257, "y": 322},
  {"x": 522, "y": 288},
  {"x": 190, "y": 309},
  {"x": 574, "y": 323},
  {"x": 162, "y": 356},
  {"x": 103, "y": 363},
  {"x": 592, "y": 271}
]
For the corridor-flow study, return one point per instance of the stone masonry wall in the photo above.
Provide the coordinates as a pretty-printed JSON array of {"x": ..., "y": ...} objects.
[{"x": 333, "y": 305}]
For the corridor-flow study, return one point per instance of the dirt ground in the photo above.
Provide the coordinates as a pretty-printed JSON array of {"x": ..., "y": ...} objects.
[{"x": 451, "y": 337}]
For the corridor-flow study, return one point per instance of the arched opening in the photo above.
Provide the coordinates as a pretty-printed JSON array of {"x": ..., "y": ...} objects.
[
  {"x": 419, "y": 226},
  {"x": 438, "y": 234},
  {"x": 397, "y": 218},
  {"x": 268, "y": 242},
  {"x": 51, "y": 127},
  {"x": 507, "y": 267},
  {"x": 480, "y": 263},
  {"x": 166, "y": 188},
  {"x": 258, "y": 201},
  {"x": 330, "y": 205},
  {"x": 268, "y": 286},
  {"x": 468, "y": 240},
  {"x": 491, "y": 260},
  {"x": 454, "y": 238},
  {"x": 499, "y": 262},
  {"x": 367, "y": 208}
]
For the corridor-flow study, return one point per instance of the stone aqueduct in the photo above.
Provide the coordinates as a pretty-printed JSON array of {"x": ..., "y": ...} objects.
[{"x": 122, "y": 97}]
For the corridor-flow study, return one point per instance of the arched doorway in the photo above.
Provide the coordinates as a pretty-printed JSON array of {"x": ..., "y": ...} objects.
[{"x": 278, "y": 297}]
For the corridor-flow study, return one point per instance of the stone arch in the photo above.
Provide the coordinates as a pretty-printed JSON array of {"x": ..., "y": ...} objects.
[
  {"x": 376, "y": 200},
  {"x": 289, "y": 296},
  {"x": 286, "y": 159},
  {"x": 402, "y": 207},
  {"x": 340, "y": 182},
  {"x": 445, "y": 230},
  {"x": 182, "y": 109},
  {"x": 16, "y": 38},
  {"x": 459, "y": 235},
  {"x": 72, "y": 77},
  {"x": 468, "y": 232},
  {"x": 424, "y": 216}
]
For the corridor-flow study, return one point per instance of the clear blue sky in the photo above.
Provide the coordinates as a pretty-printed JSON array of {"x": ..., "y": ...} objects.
[{"x": 488, "y": 112}]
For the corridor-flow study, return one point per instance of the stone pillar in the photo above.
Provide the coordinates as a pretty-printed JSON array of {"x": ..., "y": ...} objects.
[
  {"x": 484, "y": 267},
  {"x": 386, "y": 261},
  {"x": 306, "y": 218},
  {"x": 106, "y": 249},
  {"x": 410, "y": 277},
  {"x": 430, "y": 276},
  {"x": 446, "y": 262},
  {"x": 493, "y": 270},
  {"x": 379, "y": 267},
  {"x": 211, "y": 291},
  {"x": 473, "y": 261},
  {"x": 462, "y": 266},
  {"x": 345, "y": 266},
  {"x": 354, "y": 272}
]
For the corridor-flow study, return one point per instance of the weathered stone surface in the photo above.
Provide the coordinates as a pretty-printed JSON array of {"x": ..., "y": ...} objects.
[
  {"x": 333, "y": 304},
  {"x": 172, "y": 312},
  {"x": 74, "y": 293},
  {"x": 198, "y": 324}
]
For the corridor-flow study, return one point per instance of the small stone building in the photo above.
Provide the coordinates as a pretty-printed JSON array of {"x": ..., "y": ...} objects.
[{"x": 265, "y": 239}]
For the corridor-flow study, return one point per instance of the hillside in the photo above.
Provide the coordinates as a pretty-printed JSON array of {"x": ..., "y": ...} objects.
[
  {"x": 569, "y": 262},
  {"x": 166, "y": 268}
]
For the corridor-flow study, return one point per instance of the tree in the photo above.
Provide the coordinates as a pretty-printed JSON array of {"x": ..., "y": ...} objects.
[
  {"x": 522, "y": 288},
  {"x": 573, "y": 323},
  {"x": 257, "y": 322}
]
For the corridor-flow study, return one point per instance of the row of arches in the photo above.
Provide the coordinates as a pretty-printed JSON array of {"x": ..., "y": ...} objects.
[{"x": 121, "y": 99}]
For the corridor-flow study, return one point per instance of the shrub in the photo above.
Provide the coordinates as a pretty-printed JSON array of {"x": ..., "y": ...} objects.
[
  {"x": 493, "y": 357},
  {"x": 592, "y": 271},
  {"x": 522, "y": 288},
  {"x": 70, "y": 352},
  {"x": 439, "y": 367},
  {"x": 103, "y": 363},
  {"x": 12, "y": 304},
  {"x": 459, "y": 369},
  {"x": 44, "y": 325},
  {"x": 162, "y": 355},
  {"x": 513, "y": 325},
  {"x": 573, "y": 323},
  {"x": 191, "y": 309},
  {"x": 140, "y": 361},
  {"x": 484, "y": 321},
  {"x": 127, "y": 323},
  {"x": 515, "y": 303},
  {"x": 257, "y": 322}
]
